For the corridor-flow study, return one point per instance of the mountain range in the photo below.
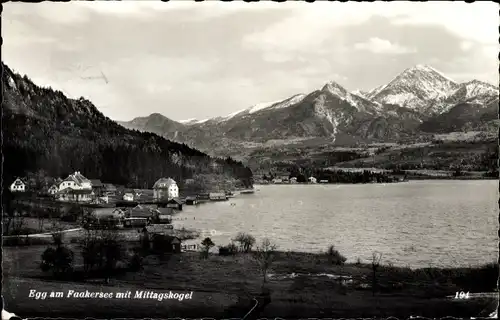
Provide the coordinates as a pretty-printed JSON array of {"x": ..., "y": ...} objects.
[{"x": 419, "y": 101}]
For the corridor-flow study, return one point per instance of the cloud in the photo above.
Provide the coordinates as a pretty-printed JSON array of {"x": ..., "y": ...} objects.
[
  {"x": 183, "y": 58},
  {"x": 310, "y": 26},
  {"x": 476, "y": 21},
  {"x": 466, "y": 45},
  {"x": 305, "y": 29},
  {"x": 382, "y": 46},
  {"x": 198, "y": 10}
]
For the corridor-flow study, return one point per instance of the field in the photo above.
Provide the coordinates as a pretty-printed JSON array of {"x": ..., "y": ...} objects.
[
  {"x": 469, "y": 152},
  {"x": 301, "y": 285}
]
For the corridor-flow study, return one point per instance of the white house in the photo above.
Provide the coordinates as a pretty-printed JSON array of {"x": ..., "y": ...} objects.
[
  {"x": 17, "y": 186},
  {"x": 76, "y": 181},
  {"x": 53, "y": 190},
  {"x": 312, "y": 180},
  {"x": 128, "y": 196},
  {"x": 75, "y": 195},
  {"x": 165, "y": 189}
]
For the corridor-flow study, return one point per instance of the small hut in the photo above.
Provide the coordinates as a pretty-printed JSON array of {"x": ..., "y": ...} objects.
[
  {"x": 174, "y": 203},
  {"x": 162, "y": 241},
  {"x": 191, "y": 201},
  {"x": 218, "y": 196}
]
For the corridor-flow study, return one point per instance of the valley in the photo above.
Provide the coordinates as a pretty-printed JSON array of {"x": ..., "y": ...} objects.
[{"x": 332, "y": 126}]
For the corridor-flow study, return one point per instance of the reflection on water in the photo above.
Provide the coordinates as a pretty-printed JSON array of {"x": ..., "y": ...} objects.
[{"x": 417, "y": 224}]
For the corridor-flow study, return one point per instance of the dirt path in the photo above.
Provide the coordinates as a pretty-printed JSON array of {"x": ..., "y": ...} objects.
[{"x": 41, "y": 235}]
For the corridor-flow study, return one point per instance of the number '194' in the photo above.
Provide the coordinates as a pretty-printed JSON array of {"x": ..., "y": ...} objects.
[{"x": 461, "y": 295}]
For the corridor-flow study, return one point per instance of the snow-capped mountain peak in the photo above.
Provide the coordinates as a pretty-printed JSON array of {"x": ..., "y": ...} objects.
[
  {"x": 427, "y": 68},
  {"x": 260, "y": 106},
  {"x": 472, "y": 92},
  {"x": 476, "y": 88},
  {"x": 335, "y": 88},
  {"x": 187, "y": 120},
  {"x": 358, "y": 101},
  {"x": 415, "y": 87},
  {"x": 265, "y": 106},
  {"x": 288, "y": 102},
  {"x": 360, "y": 93}
]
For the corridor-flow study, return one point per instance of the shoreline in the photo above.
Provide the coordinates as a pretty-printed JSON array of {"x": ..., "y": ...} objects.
[
  {"x": 296, "y": 255},
  {"x": 409, "y": 178}
]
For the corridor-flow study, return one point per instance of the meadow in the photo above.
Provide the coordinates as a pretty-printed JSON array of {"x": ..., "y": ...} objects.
[{"x": 300, "y": 285}]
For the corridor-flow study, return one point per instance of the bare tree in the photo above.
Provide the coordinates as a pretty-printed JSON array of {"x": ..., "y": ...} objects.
[
  {"x": 265, "y": 257},
  {"x": 17, "y": 223},
  {"x": 245, "y": 240},
  {"x": 376, "y": 257}
]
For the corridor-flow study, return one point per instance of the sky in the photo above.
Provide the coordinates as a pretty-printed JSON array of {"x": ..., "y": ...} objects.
[{"x": 190, "y": 60}]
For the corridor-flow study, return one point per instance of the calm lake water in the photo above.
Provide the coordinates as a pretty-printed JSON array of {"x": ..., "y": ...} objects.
[{"x": 416, "y": 223}]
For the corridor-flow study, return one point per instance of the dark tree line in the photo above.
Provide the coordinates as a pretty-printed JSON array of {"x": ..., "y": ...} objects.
[
  {"x": 334, "y": 176},
  {"x": 353, "y": 177},
  {"x": 44, "y": 130}
]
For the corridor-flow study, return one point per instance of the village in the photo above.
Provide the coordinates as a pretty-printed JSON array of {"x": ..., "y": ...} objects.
[{"x": 104, "y": 206}]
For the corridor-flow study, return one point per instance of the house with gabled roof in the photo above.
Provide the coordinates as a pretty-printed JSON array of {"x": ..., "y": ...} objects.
[
  {"x": 165, "y": 189},
  {"x": 109, "y": 189},
  {"x": 53, "y": 190},
  {"x": 18, "y": 186},
  {"x": 162, "y": 239},
  {"x": 97, "y": 186},
  {"x": 76, "y": 181},
  {"x": 174, "y": 203},
  {"x": 75, "y": 195},
  {"x": 140, "y": 211}
]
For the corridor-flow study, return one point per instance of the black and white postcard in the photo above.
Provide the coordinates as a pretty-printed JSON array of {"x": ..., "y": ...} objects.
[{"x": 256, "y": 160}]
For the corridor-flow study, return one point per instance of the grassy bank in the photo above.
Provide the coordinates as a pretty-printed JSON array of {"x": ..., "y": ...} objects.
[
  {"x": 301, "y": 285},
  {"x": 128, "y": 235}
]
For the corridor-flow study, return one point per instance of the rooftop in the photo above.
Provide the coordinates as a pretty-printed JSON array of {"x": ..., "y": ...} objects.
[
  {"x": 164, "y": 183},
  {"x": 96, "y": 183},
  {"x": 18, "y": 182}
]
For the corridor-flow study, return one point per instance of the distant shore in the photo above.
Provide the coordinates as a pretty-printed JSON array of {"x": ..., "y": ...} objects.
[{"x": 404, "y": 176}]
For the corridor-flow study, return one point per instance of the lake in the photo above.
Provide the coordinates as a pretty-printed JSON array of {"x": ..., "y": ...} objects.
[{"x": 418, "y": 223}]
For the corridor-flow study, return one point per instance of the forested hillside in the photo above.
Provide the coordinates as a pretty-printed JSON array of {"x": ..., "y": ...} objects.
[{"x": 44, "y": 131}]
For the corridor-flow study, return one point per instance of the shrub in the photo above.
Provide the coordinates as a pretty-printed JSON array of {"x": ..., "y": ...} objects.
[
  {"x": 159, "y": 244},
  {"x": 58, "y": 238},
  {"x": 224, "y": 251},
  {"x": 136, "y": 263},
  {"x": 335, "y": 257},
  {"x": 233, "y": 249},
  {"x": 230, "y": 249},
  {"x": 102, "y": 249},
  {"x": 59, "y": 260}
]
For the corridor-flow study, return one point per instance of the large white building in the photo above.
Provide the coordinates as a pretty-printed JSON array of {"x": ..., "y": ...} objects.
[
  {"x": 18, "y": 186},
  {"x": 165, "y": 189},
  {"x": 75, "y": 181}
]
